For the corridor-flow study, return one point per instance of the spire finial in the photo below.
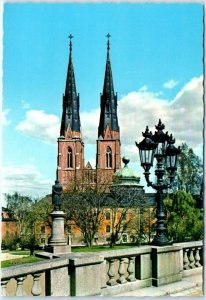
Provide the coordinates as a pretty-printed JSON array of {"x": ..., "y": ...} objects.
[
  {"x": 70, "y": 43},
  {"x": 108, "y": 45}
]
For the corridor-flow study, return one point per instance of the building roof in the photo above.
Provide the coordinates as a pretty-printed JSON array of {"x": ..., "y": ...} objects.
[
  {"x": 108, "y": 114},
  {"x": 126, "y": 175},
  {"x": 70, "y": 114}
]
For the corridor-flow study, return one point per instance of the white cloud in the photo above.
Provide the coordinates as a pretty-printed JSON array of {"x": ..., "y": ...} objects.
[
  {"x": 183, "y": 117},
  {"x": 5, "y": 120},
  {"x": 24, "y": 104},
  {"x": 26, "y": 180},
  {"x": 90, "y": 123},
  {"x": 170, "y": 84},
  {"x": 143, "y": 88},
  {"x": 40, "y": 125},
  {"x": 186, "y": 113}
]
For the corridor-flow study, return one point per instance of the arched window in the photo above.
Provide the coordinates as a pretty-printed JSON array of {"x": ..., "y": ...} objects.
[
  {"x": 108, "y": 228},
  {"x": 109, "y": 158},
  {"x": 69, "y": 162},
  {"x": 107, "y": 215}
]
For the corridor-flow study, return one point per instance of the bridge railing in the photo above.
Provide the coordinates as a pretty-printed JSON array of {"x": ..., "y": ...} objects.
[
  {"x": 103, "y": 273},
  {"x": 192, "y": 253},
  {"x": 31, "y": 279}
]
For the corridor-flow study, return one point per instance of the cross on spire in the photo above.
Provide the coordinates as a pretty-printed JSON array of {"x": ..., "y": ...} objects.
[
  {"x": 70, "y": 43},
  {"x": 108, "y": 36}
]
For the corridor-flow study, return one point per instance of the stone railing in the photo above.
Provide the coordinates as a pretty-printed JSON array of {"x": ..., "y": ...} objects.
[
  {"x": 103, "y": 273},
  {"x": 192, "y": 253},
  {"x": 126, "y": 270},
  {"x": 33, "y": 279}
]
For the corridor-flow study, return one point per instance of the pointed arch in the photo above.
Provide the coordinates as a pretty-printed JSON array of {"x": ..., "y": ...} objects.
[
  {"x": 69, "y": 158},
  {"x": 109, "y": 157}
]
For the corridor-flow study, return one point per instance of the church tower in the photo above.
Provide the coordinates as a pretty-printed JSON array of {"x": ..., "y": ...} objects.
[
  {"x": 108, "y": 158},
  {"x": 70, "y": 159}
]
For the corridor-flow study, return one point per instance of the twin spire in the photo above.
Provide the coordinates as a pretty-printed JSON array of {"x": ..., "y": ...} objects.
[
  {"x": 108, "y": 114},
  {"x": 70, "y": 114}
]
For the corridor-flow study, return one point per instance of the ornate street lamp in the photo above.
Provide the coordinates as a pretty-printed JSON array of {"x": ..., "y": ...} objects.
[{"x": 159, "y": 146}]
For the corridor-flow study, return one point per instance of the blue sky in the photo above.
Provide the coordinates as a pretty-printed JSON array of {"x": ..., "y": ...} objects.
[{"x": 156, "y": 55}]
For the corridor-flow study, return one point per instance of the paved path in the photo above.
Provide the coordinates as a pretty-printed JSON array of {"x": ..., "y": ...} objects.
[
  {"x": 189, "y": 286},
  {"x": 8, "y": 256}
]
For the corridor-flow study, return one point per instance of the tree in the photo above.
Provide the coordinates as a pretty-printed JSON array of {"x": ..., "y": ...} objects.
[
  {"x": 143, "y": 225},
  {"x": 123, "y": 203},
  {"x": 184, "y": 220},
  {"x": 10, "y": 241},
  {"x": 19, "y": 205},
  {"x": 29, "y": 215},
  {"x": 36, "y": 215},
  {"x": 44, "y": 207},
  {"x": 189, "y": 172},
  {"x": 86, "y": 209}
]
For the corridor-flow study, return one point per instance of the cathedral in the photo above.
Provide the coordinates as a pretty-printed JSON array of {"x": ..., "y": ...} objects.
[{"x": 71, "y": 167}]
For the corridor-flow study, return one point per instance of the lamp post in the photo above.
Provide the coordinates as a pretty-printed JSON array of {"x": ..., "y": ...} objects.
[{"x": 159, "y": 146}]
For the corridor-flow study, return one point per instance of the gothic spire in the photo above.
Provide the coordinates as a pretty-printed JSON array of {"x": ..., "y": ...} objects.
[
  {"x": 108, "y": 114},
  {"x": 70, "y": 115}
]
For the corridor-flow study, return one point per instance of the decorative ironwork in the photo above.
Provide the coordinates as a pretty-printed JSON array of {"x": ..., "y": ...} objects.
[{"x": 161, "y": 147}]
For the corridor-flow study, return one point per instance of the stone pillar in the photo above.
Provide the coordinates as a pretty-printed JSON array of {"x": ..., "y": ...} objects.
[
  {"x": 57, "y": 282},
  {"x": 58, "y": 243},
  {"x": 166, "y": 264},
  {"x": 143, "y": 266},
  {"x": 86, "y": 275},
  {"x": 69, "y": 238}
]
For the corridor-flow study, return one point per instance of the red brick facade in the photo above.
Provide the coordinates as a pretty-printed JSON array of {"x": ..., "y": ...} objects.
[
  {"x": 71, "y": 169},
  {"x": 70, "y": 160},
  {"x": 8, "y": 224}
]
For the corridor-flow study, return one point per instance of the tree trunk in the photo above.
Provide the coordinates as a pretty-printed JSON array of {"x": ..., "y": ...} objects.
[
  {"x": 31, "y": 251},
  {"x": 112, "y": 240}
]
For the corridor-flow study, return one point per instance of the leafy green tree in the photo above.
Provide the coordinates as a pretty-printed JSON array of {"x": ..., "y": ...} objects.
[
  {"x": 18, "y": 205},
  {"x": 189, "y": 172},
  {"x": 43, "y": 207},
  {"x": 184, "y": 220},
  {"x": 10, "y": 242},
  {"x": 29, "y": 215}
]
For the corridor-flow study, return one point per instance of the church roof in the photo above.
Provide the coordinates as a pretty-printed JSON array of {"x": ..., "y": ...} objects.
[
  {"x": 70, "y": 115},
  {"x": 108, "y": 113},
  {"x": 88, "y": 165},
  {"x": 126, "y": 175}
]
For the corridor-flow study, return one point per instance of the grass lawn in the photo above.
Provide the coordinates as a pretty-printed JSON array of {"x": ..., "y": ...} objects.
[
  {"x": 19, "y": 261},
  {"x": 31, "y": 259},
  {"x": 101, "y": 248},
  {"x": 20, "y": 252}
]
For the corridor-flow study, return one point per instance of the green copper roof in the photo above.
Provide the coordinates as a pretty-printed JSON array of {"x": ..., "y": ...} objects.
[{"x": 126, "y": 176}]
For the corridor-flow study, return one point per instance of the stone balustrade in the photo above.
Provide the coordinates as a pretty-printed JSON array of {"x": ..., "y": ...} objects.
[
  {"x": 192, "y": 253},
  {"x": 103, "y": 273},
  {"x": 19, "y": 275},
  {"x": 124, "y": 270}
]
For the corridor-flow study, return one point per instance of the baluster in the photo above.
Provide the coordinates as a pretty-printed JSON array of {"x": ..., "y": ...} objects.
[
  {"x": 192, "y": 259},
  {"x": 19, "y": 289},
  {"x": 130, "y": 269},
  {"x": 3, "y": 287},
  {"x": 111, "y": 273},
  {"x": 197, "y": 258},
  {"x": 36, "y": 289},
  {"x": 186, "y": 260},
  {"x": 121, "y": 271}
]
